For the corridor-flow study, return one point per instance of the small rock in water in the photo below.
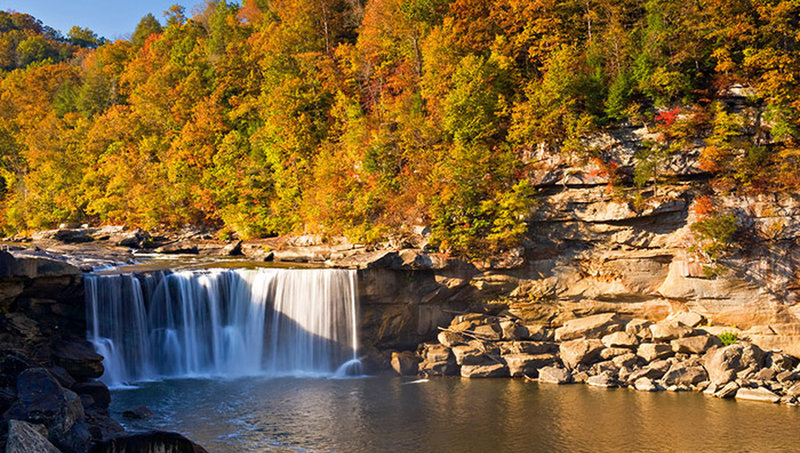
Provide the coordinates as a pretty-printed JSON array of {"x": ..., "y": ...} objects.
[
  {"x": 138, "y": 413},
  {"x": 757, "y": 394},
  {"x": 554, "y": 375},
  {"x": 645, "y": 384},
  {"x": 602, "y": 380}
]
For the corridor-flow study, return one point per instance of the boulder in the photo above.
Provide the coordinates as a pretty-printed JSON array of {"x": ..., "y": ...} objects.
[
  {"x": 697, "y": 344},
  {"x": 41, "y": 399},
  {"x": 794, "y": 390},
  {"x": 79, "y": 358},
  {"x": 576, "y": 352},
  {"x": 639, "y": 327},
  {"x": 757, "y": 394},
  {"x": 680, "y": 374},
  {"x": 528, "y": 365},
  {"x": 471, "y": 355},
  {"x": 436, "y": 353},
  {"x": 512, "y": 331},
  {"x": 405, "y": 363},
  {"x": 780, "y": 361},
  {"x": 528, "y": 347},
  {"x": 669, "y": 331},
  {"x": 654, "y": 351},
  {"x": 687, "y": 318},
  {"x": 96, "y": 389},
  {"x": 24, "y": 437},
  {"x": 656, "y": 370},
  {"x": 787, "y": 376},
  {"x": 605, "y": 380},
  {"x": 484, "y": 371},
  {"x": 149, "y": 442},
  {"x": 625, "y": 360},
  {"x": 138, "y": 413},
  {"x": 440, "y": 368},
  {"x": 727, "y": 391},
  {"x": 489, "y": 332},
  {"x": 645, "y": 384},
  {"x": 450, "y": 339},
  {"x": 554, "y": 375},
  {"x": 595, "y": 326},
  {"x": 620, "y": 340},
  {"x": 537, "y": 333},
  {"x": 723, "y": 363},
  {"x": 609, "y": 353}
]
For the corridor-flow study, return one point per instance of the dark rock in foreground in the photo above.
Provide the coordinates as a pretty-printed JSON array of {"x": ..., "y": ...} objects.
[{"x": 149, "y": 442}]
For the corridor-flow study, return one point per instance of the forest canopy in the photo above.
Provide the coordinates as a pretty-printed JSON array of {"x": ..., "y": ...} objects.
[{"x": 366, "y": 118}]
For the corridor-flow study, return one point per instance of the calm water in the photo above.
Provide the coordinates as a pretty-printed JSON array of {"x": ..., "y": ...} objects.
[{"x": 453, "y": 415}]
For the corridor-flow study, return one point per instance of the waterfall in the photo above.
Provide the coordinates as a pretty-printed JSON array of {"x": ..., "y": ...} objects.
[{"x": 224, "y": 323}]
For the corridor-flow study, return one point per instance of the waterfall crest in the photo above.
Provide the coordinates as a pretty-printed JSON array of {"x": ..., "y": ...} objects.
[{"x": 223, "y": 323}]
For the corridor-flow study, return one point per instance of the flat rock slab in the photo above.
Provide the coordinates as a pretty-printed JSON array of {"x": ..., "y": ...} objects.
[
  {"x": 527, "y": 364},
  {"x": 595, "y": 326},
  {"x": 697, "y": 344},
  {"x": 757, "y": 394},
  {"x": 654, "y": 351},
  {"x": 554, "y": 375},
  {"x": 484, "y": 371},
  {"x": 24, "y": 437}
]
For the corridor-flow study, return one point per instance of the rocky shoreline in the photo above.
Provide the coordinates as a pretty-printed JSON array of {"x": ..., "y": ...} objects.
[{"x": 679, "y": 353}]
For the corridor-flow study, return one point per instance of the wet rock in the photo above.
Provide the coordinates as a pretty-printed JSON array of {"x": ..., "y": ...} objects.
[
  {"x": 669, "y": 331},
  {"x": 645, "y": 384},
  {"x": 187, "y": 247},
  {"x": 79, "y": 358},
  {"x": 484, "y": 371},
  {"x": 405, "y": 363},
  {"x": 697, "y": 344},
  {"x": 620, "y": 340},
  {"x": 580, "y": 351},
  {"x": 436, "y": 353},
  {"x": 138, "y": 413},
  {"x": 757, "y": 394},
  {"x": 528, "y": 365},
  {"x": 440, "y": 368},
  {"x": 24, "y": 437},
  {"x": 605, "y": 380},
  {"x": 554, "y": 375},
  {"x": 722, "y": 363},
  {"x": 654, "y": 351},
  {"x": 595, "y": 326},
  {"x": 150, "y": 442},
  {"x": 97, "y": 390}
]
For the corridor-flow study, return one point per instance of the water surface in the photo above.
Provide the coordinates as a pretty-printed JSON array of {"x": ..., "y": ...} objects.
[{"x": 453, "y": 415}]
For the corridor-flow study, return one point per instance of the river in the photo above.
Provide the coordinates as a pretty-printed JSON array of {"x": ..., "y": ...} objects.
[{"x": 452, "y": 415}]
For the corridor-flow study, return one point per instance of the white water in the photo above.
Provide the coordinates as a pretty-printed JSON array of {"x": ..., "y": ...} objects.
[{"x": 224, "y": 323}]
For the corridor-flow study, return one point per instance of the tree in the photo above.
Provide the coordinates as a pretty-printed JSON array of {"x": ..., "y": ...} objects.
[{"x": 147, "y": 26}]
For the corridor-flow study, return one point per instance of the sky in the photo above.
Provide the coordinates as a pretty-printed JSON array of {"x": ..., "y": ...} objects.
[{"x": 111, "y": 19}]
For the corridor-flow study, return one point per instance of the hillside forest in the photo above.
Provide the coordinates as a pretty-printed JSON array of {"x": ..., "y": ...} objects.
[{"x": 366, "y": 118}]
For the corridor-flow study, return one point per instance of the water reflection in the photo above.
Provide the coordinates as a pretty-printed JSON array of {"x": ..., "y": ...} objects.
[{"x": 442, "y": 415}]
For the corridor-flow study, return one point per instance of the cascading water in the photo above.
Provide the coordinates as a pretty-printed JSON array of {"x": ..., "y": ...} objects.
[{"x": 226, "y": 323}]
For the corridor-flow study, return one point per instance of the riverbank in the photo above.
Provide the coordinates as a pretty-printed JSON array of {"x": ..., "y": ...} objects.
[{"x": 680, "y": 353}]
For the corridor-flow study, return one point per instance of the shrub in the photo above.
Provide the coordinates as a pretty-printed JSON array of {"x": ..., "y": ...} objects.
[{"x": 728, "y": 338}]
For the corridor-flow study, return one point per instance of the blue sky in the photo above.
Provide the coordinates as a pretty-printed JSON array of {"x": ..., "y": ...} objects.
[{"x": 109, "y": 18}]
